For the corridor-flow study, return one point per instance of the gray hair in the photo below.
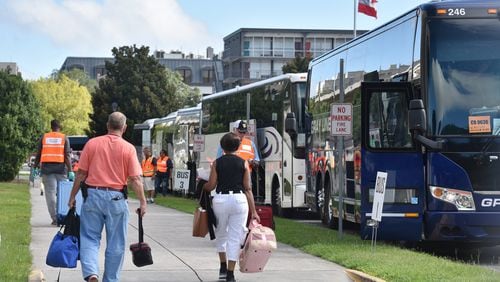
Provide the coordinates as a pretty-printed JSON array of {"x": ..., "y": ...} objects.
[{"x": 116, "y": 121}]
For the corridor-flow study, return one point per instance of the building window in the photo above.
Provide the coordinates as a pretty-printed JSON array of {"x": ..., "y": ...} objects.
[
  {"x": 289, "y": 48},
  {"x": 207, "y": 76},
  {"x": 260, "y": 70},
  {"x": 186, "y": 75},
  {"x": 267, "y": 46},
  {"x": 278, "y": 45},
  {"x": 246, "y": 48},
  {"x": 299, "y": 47},
  {"x": 78, "y": 67}
]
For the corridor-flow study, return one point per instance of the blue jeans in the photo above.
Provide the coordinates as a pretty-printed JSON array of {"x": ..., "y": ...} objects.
[
  {"x": 110, "y": 209},
  {"x": 161, "y": 184}
]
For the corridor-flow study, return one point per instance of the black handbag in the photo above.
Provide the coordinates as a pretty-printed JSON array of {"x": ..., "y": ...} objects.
[{"x": 141, "y": 252}]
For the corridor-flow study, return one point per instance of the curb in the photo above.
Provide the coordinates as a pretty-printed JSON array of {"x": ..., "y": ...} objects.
[
  {"x": 36, "y": 275},
  {"x": 358, "y": 276}
]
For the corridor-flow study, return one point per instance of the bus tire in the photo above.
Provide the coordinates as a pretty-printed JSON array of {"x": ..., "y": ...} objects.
[
  {"x": 320, "y": 198},
  {"x": 329, "y": 220},
  {"x": 276, "y": 199}
]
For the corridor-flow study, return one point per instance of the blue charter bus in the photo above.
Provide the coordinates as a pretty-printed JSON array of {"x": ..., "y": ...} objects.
[{"x": 425, "y": 95}]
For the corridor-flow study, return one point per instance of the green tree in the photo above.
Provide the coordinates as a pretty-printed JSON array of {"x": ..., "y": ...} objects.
[
  {"x": 20, "y": 124},
  {"x": 65, "y": 100},
  {"x": 76, "y": 74},
  {"x": 140, "y": 87},
  {"x": 299, "y": 64}
]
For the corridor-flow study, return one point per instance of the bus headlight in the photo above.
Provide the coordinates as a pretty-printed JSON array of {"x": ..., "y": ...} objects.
[{"x": 463, "y": 200}]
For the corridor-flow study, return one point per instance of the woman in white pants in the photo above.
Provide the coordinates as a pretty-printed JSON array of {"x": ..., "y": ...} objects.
[{"x": 231, "y": 203}]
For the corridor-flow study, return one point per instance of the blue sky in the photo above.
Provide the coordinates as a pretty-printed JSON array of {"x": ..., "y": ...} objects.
[{"x": 39, "y": 34}]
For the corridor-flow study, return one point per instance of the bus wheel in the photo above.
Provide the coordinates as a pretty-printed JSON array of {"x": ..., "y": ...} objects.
[
  {"x": 327, "y": 212},
  {"x": 276, "y": 198},
  {"x": 329, "y": 220},
  {"x": 320, "y": 201}
]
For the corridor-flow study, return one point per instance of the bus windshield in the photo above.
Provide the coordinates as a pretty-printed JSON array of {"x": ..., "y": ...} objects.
[{"x": 464, "y": 77}]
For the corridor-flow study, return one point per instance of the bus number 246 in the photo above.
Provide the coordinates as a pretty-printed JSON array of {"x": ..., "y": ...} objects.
[{"x": 456, "y": 12}]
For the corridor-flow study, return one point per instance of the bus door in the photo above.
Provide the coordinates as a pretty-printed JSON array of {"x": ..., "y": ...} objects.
[
  {"x": 387, "y": 146},
  {"x": 287, "y": 197}
]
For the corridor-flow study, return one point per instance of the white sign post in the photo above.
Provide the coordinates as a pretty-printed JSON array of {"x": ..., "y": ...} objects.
[
  {"x": 199, "y": 143},
  {"x": 181, "y": 180},
  {"x": 341, "y": 126},
  {"x": 378, "y": 205},
  {"x": 341, "y": 119}
]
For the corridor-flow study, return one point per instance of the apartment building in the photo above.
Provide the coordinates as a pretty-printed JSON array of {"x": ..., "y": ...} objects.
[{"x": 252, "y": 54}]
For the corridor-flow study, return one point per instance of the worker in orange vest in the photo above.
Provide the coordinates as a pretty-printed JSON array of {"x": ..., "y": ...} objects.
[
  {"x": 163, "y": 169},
  {"x": 148, "y": 174},
  {"x": 247, "y": 150},
  {"x": 53, "y": 157}
]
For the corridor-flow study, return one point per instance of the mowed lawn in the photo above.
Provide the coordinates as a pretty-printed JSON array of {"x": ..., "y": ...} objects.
[
  {"x": 15, "y": 232},
  {"x": 388, "y": 262}
]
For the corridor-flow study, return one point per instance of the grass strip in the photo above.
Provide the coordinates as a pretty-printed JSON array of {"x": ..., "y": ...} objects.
[
  {"x": 15, "y": 232},
  {"x": 388, "y": 262}
]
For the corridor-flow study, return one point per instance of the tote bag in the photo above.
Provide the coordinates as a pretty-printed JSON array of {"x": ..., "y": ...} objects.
[
  {"x": 200, "y": 223},
  {"x": 64, "y": 249}
]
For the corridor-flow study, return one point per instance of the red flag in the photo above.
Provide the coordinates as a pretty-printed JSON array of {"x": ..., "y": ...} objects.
[{"x": 367, "y": 7}]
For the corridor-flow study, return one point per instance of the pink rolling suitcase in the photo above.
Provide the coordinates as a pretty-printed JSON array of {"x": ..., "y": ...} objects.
[{"x": 258, "y": 247}]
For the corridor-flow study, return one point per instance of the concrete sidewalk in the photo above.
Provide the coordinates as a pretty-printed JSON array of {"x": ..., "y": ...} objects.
[{"x": 177, "y": 255}]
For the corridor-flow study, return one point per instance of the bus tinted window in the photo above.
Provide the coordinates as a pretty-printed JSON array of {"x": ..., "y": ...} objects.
[
  {"x": 267, "y": 105},
  {"x": 464, "y": 62}
]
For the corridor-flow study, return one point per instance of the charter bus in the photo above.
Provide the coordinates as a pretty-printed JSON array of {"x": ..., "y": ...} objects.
[
  {"x": 141, "y": 136},
  {"x": 264, "y": 105},
  {"x": 162, "y": 134},
  {"x": 425, "y": 95},
  {"x": 175, "y": 133}
]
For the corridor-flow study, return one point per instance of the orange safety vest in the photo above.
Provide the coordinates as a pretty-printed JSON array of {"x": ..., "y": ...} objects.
[
  {"x": 161, "y": 164},
  {"x": 148, "y": 168},
  {"x": 53, "y": 147},
  {"x": 245, "y": 151}
]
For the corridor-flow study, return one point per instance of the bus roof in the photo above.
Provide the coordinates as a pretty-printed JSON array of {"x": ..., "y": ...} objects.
[
  {"x": 170, "y": 117},
  {"x": 147, "y": 124},
  {"x": 293, "y": 77},
  {"x": 430, "y": 6},
  {"x": 191, "y": 110}
]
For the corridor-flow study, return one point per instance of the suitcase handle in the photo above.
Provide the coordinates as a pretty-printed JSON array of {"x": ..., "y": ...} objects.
[{"x": 141, "y": 229}]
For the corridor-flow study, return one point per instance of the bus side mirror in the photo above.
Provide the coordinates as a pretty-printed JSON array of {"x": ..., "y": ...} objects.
[
  {"x": 291, "y": 125},
  {"x": 416, "y": 117},
  {"x": 418, "y": 125}
]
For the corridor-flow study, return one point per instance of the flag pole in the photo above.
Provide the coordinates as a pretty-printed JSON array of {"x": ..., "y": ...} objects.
[{"x": 355, "y": 18}]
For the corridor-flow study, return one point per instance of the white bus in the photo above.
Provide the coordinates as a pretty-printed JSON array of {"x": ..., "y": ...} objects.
[
  {"x": 175, "y": 134},
  {"x": 142, "y": 135},
  {"x": 264, "y": 105},
  {"x": 162, "y": 134}
]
